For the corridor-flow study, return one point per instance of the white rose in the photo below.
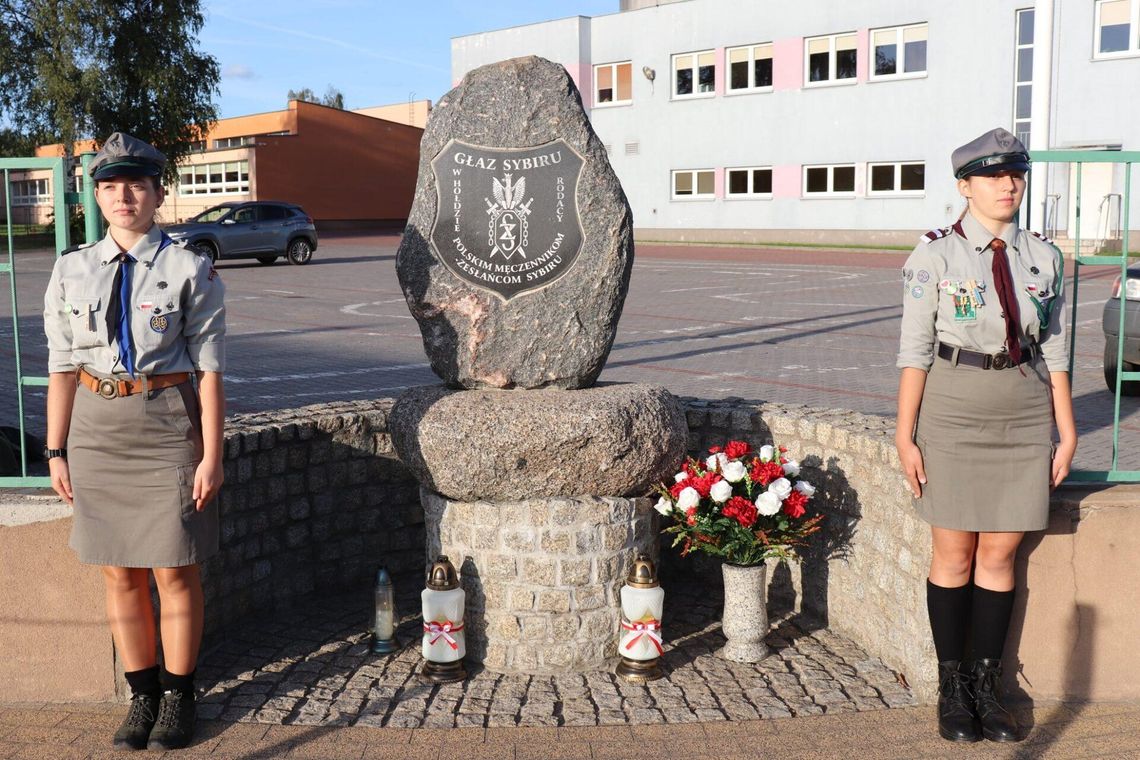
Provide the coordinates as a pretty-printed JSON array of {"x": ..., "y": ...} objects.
[
  {"x": 680, "y": 476},
  {"x": 767, "y": 504},
  {"x": 734, "y": 472},
  {"x": 688, "y": 498},
  {"x": 767, "y": 453},
  {"x": 721, "y": 491},
  {"x": 806, "y": 488},
  {"x": 715, "y": 461},
  {"x": 664, "y": 506},
  {"x": 782, "y": 487},
  {"x": 791, "y": 468}
]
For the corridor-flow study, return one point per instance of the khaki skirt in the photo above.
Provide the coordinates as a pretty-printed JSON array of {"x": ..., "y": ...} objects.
[
  {"x": 132, "y": 461},
  {"x": 985, "y": 438}
]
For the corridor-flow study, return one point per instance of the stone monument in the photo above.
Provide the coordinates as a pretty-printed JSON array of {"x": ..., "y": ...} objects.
[{"x": 515, "y": 263}]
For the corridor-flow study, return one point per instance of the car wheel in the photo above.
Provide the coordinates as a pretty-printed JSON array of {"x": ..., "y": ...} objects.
[
  {"x": 207, "y": 249},
  {"x": 1127, "y": 387},
  {"x": 266, "y": 259},
  {"x": 300, "y": 251}
]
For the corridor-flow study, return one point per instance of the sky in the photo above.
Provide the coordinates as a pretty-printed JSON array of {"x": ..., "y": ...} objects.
[{"x": 376, "y": 52}]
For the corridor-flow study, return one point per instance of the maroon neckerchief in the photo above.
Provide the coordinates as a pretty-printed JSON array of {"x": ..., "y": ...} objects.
[{"x": 1003, "y": 283}]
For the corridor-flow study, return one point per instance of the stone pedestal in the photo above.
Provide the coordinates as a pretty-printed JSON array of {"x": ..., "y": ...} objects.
[{"x": 542, "y": 576}]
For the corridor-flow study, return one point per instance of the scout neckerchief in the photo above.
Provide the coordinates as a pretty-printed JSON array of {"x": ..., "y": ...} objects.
[
  {"x": 1003, "y": 284},
  {"x": 119, "y": 306}
]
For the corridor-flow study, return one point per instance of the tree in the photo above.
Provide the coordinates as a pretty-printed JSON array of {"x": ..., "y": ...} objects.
[
  {"x": 16, "y": 143},
  {"x": 71, "y": 69},
  {"x": 333, "y": 97}
]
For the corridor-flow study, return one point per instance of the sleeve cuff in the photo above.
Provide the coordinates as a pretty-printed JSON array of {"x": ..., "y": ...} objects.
[
  {"x": 208, "y": 357},
  {"x": 60, "y": 361},
  {"x": 922, "y": 364}
]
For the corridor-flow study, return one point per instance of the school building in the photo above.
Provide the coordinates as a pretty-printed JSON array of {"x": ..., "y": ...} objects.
[
  {"x": 755, "y": 120},
  {"x": 345, "y": 168}
]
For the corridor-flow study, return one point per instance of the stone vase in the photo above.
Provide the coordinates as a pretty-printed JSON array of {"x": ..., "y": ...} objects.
[{"x": 745, "y": 618}]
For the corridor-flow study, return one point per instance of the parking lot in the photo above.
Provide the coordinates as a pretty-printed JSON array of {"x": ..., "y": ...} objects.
[{"x": 795, "y": 326}]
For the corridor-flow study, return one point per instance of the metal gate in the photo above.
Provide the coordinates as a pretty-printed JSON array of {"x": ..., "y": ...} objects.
[
  {"x": 60, "y": 202},
  {"x": 1079, "y": 158}
]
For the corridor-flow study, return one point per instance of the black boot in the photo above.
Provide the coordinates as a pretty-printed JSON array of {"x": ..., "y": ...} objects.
[
  {"x": 136, "y": 727},
  {"x": 998, "y": 723},
  {"x": 957, "y": 721},
  {"x": 175, "y": 726}
]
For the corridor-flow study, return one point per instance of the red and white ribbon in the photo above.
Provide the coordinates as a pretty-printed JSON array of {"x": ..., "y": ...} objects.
[
  {"x": 443, "y": 630},
  {"x": 647, "y": 628}
]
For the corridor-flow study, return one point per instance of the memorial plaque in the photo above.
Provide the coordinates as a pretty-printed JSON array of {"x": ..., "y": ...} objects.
[{"x": 507, "y": 219}]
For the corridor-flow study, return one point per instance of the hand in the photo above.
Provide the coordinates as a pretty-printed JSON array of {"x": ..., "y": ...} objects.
[
  {"x": 911, "y": 459},
  {"x": 61, "y": 479},
  {"x": 207, "y": 482},
  {"x": 1062, "y": 461}
]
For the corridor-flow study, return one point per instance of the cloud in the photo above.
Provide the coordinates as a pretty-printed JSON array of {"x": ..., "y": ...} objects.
[{"x": 237, "y": 71}]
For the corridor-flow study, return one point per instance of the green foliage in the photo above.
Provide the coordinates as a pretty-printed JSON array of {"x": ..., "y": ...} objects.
[
  {"x": 333, "y": 98},
  {"x": 74, "y": 69},
  {"x": 14, "y": 143}
]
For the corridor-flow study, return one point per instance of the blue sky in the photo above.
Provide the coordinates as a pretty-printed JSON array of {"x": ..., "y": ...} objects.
[{"x": 374, "y": 51}]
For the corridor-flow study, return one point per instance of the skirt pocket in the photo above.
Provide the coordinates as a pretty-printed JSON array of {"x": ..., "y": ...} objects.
[{"x": 186, "y": 490}]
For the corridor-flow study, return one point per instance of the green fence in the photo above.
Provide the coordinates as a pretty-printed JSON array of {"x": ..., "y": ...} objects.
[
  {"x": 1079, "y": 158},
  {"x": 60, "y": 202}
]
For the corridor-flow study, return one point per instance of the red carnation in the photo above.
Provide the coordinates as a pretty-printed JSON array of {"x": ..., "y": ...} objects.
[
  {"x": 714, "y": 449},
  {"x": 794, "y": 504},
  {"x": 742, "y": 510},
  {"x": 737, "y": 449},
  {"x": 691, "y": 516},
  {"x": 676, "y": 488},
  {"x": 704, "y": 483},
  {"x": 783, "y": 449},
  {"x": 765, "y": 472}
]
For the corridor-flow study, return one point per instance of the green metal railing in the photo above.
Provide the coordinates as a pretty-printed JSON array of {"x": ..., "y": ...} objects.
[
  {"x": 1081, "y": 157},
  {"x": 60, "y": 203}
]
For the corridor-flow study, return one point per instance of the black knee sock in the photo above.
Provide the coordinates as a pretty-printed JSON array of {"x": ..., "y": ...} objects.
[
  {"x": 173, "y": 682},
  {"x": 144, "y": 681},
  {"x": 992, "y": 610},
  {"x": 948, "y": 609}
]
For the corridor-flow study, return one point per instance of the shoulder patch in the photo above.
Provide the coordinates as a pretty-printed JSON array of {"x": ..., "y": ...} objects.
[
  {"x": 933, "y": 235},
  {"x": 75, "y": 248},
  {"x": 1039, "y": 236}
]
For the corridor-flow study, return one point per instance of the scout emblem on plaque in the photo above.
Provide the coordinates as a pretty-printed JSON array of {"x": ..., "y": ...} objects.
[{"x": 507, "y": 218}]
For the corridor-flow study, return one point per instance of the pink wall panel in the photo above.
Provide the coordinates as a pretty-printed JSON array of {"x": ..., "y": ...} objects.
[
  {"x": 788, "y": 64},
  {"x": 862, "y": 62},
  {"x": 718, "y": 179},
  {"x": 786, "y": 181},
  {"x": 583, "y": 76},
  {"x": 721, "y": 73}
]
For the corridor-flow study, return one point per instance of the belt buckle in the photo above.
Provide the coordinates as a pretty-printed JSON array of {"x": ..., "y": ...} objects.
[
  {"x": 108, "y": 388},
  {"x": 1000, "y": 361}
]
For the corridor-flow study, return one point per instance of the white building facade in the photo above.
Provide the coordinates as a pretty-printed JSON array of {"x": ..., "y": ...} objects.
[{"x": 759, "y": 121}]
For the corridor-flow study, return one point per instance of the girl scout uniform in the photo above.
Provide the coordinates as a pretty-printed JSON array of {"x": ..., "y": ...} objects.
[
  {"x": 135, "y": 438},
  {"x": 985, "y": 424}
]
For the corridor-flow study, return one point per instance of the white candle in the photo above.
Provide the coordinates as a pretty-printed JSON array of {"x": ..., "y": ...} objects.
[{"x": 385, "y": 625}]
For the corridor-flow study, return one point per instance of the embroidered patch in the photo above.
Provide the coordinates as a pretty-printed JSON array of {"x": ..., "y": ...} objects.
[
  {"x": 916, "y": 291},
  {"x": 159, "y": 323},
  {"x": 923, "y": 276}
]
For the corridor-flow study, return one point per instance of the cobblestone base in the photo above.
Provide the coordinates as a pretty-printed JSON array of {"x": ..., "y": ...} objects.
[{"x": 314, "y": 667}]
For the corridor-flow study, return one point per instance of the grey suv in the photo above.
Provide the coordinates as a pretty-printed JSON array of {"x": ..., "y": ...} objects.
[
  {"x": 262, "y": 230},
  {"x": 1110, "y": 323}
]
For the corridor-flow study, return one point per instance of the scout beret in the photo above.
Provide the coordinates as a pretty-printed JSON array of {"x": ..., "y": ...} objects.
[
  {"x": 126, "y": 156},
  {"x": 995, "y": 151}
]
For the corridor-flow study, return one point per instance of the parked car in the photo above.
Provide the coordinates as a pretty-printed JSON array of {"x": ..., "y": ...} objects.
[
  {"x": 1130, "y": 362},
  {"x": 261, "y": 230}
]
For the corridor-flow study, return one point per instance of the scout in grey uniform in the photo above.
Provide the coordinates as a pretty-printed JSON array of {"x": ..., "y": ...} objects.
[
  {"x": 133, "y": 445},
  {"x": 984, "y": 359}
]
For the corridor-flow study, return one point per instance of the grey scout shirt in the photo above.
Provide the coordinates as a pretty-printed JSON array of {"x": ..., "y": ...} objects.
[
  {"x": 178, "y": 318},
  {"x": 949, "y": 295}
]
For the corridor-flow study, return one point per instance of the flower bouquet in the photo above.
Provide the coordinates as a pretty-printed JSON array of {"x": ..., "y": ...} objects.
[{"x": 741, "y": 505}]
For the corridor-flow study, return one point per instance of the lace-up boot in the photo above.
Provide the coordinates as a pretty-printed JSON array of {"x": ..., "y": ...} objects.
[
  {"x": 998, "y": 723},
  {"x": 175, "y": 726},
  {"x": 957, "y": 721},
  {"x": 136, "y": 727}
]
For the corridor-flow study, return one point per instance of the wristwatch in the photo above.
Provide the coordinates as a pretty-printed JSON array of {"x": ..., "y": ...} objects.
[{"x": 53, "y": 453}]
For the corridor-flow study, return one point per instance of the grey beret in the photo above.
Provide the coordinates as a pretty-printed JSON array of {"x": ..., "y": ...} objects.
[
  {"x": 996, "y": 150},
  {"x": 126, "y": 156}
]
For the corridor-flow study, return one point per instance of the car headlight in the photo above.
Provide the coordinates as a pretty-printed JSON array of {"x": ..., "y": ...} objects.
[{"x": 1131, "y": 288}]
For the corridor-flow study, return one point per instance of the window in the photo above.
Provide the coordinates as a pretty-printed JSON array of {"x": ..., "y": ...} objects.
[
  {"x": 1023, "y": 75},
  {"x": 273, "y": 213},
  {"x": 829, "y": 59},
  {"x": 749, "y": 182},
  {"x": 245, "y": 215},
  {"x": 749, "y": 68},
  {"x": 214, "y": 179},
  {"x": 837, "y": 179},
  {"x": 694, "y": 184},
  {"x": 1116, "y": 28},
  {"x": 694, "y": 74},
  {"x": 197, "y": 146},
  {"x": 899, "y": 52},
  {"x": 31, "y": 192},
  {"x": 613, "y": 83},
  {"x": 904, "y": 178},
  {"x": 234, "y": 142}
]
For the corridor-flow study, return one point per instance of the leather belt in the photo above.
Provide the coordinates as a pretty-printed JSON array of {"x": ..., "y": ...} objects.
[
  {"x": 957, "y": 355},
  {"x": 113, "y": 387}
]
